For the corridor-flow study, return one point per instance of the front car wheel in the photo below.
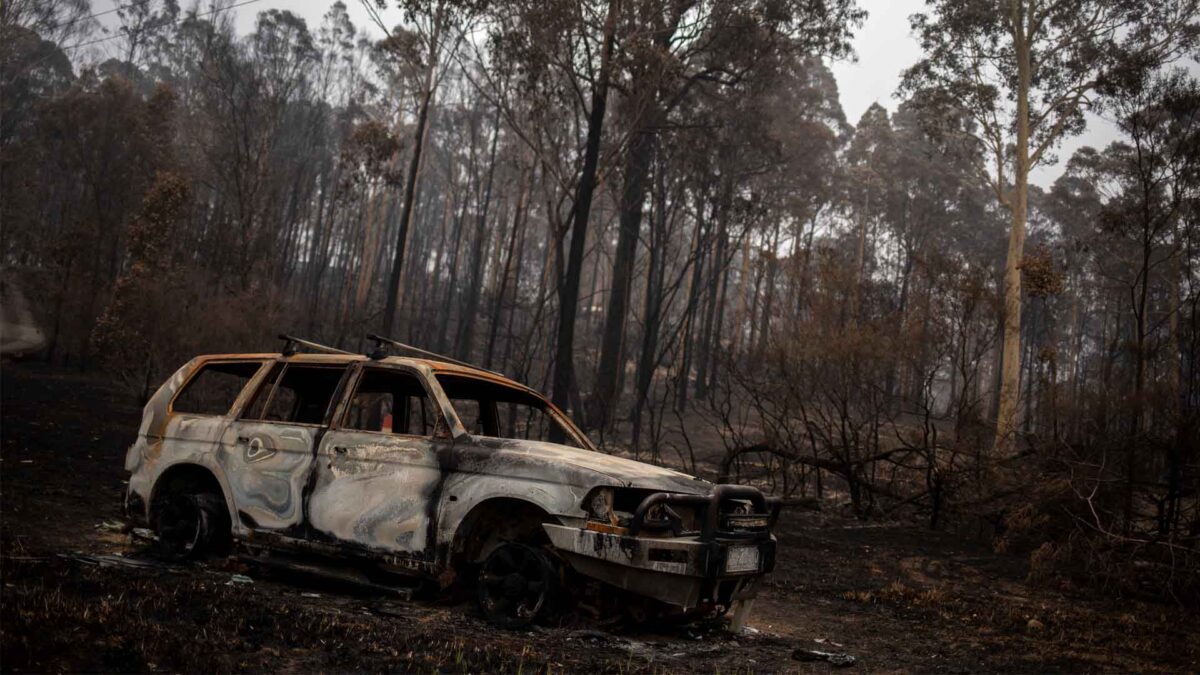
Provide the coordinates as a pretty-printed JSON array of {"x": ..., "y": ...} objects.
[{"x": 517, "y": 584}]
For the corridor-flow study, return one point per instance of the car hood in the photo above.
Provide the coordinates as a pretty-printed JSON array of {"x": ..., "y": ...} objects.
[{"x": 627, "y": 472}]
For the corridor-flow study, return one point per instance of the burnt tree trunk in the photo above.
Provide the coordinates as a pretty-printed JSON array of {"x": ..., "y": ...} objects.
[
  {"x": 612, "y": 344},
  {"x": 410, "y": 190},
  {"x": 468, "y": 321},
  {"x": 568, "y": 288}
]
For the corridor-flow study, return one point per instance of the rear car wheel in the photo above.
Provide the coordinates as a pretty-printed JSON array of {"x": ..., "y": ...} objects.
[
  {"x": 192, "y": 522},
  {"x": 517, "y": 584}
]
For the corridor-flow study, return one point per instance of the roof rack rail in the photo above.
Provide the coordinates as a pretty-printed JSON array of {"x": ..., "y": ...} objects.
[
  {"x": 292, "y": 346},
  {"x": 381, "y": 351}
]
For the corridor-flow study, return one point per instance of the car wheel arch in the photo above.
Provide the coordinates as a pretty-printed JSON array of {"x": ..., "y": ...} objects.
[
  {"x": 496, "y": 520},
  {"x": 182, "y": 472}
]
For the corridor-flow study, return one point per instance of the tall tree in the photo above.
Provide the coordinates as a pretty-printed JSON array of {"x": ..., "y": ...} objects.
[
  {"x": 568, "y": 287},
  {"x": 1026, "y": 71},
  {"x": 675, "y": 48},
  {"x": 1149, "y": 180},
  {"x": 425, "y": 49}
]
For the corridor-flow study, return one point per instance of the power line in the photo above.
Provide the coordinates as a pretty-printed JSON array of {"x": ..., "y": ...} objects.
[
  {"x": 123, "y": 33},
  {"x": 64, "y": 49},
  {"x": 107, "y": 11}
]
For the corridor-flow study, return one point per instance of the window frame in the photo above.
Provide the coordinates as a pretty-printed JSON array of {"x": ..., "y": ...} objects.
[
  {"x": 235, "y": 407},
  {"x": 343, "y": 409},
  {"x": 330, "y": 408}
]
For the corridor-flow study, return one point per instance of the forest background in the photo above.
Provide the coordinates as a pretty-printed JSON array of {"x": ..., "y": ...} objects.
[{"x": 658, "y": 212}]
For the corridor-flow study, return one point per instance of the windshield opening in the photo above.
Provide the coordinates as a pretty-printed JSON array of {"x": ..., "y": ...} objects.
[{"x": 492, "y": 409}]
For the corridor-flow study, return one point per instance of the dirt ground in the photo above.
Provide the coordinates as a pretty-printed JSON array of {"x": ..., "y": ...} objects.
[{"x": 79, "y": 595}]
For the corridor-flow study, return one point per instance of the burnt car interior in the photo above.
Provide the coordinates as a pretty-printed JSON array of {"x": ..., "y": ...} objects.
[
  {"x": 492, "y": 409},
  {"x": 295, "y": 393},
  {"x": 391, "y": 401},
  {"x": 215, "y": 387}
]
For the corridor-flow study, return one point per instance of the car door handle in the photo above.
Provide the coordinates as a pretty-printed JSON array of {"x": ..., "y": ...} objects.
[
  {"x": 256, "y": 450},
  {"x": 339, "y": 449}
]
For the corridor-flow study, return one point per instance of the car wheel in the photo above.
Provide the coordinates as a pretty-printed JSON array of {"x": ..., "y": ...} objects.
[
  {"x": 517, "y": 584},
  {"x": 192, "y": 524}
]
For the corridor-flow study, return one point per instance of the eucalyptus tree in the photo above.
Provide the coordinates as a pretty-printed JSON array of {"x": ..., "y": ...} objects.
[
  {"x": 553, "y": 65},
  {"x": 1149, "y": 182},
  {"x": 33, "y": 62},
  {"x": 1026, "y": 71},
  {"x": 61, "y": 22},
  {"x": 245, "y": 97},
  {"x": 871, "y": 159},
  {"x": 142, "y": 23},
  {"x": 423, "y": 49},
  {"x": 669, "y": 49}
]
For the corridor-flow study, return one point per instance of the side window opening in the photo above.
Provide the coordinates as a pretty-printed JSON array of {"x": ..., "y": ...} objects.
[
  {"x": 213, "y": 390},
  {"x": 470, "y": 413},
  {"x": 493, "y": 409},
  {"x": 523, "y": 421},
  {"x": 391, "y": 401},
  {"x": 295, "y": 393}
]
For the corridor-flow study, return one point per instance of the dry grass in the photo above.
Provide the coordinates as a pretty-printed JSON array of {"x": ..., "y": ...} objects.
[{"x": 57, "y": 616}]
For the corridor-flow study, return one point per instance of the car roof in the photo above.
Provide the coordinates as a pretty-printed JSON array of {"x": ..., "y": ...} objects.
[{"x": 339, "y": 359}]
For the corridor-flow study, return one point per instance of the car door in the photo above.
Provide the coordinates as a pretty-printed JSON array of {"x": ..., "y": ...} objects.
[
  {"x": 377, "y": 469},
  {"x": 200, "y": 411},
  {"x": 267, "y": 451}
]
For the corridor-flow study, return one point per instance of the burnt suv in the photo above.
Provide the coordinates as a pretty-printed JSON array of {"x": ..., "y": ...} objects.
[{"x": 429, "y": 467}]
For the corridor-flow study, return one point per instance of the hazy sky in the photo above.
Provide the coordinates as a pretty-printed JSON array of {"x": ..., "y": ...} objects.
[{"x": 884, "y": 47}]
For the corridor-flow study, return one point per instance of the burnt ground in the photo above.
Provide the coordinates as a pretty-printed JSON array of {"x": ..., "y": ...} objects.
[{"x": 896, "y": 597}]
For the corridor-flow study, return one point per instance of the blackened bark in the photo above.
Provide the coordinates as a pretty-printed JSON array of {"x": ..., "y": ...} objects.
[
  {"x": 568, "y": 297},
  {"x": 509, "y": 255},
  {"x": 612, "y": 346},
  {"x": 685, "y": 368},
  {"x": 406, "y": 214},
  {"x": 704, "y": 352},
  {"x": 648, "y": 360},
  {"x": 468, "y": 321}
]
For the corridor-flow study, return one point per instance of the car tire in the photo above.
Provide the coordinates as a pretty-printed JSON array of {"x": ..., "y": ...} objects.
[
  {"x": 192, "y": 523},
  {"x": 517, "y": 585}
]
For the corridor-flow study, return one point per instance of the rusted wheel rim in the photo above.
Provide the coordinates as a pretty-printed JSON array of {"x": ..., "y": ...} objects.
[
  {"x": 181, "y": 525},
  {"x": 514, "y": 584}
]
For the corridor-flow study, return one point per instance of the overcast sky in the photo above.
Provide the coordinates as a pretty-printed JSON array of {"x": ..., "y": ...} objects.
[
  {"x": 884, "y": 45},
  {"x": 885, "y": 48}
]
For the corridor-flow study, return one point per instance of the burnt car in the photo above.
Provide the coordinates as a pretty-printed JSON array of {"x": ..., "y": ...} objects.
[{"x": 428, "y": 467}]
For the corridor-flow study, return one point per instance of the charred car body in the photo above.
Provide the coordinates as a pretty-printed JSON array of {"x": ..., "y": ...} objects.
[{"x": 433, "y": 468}]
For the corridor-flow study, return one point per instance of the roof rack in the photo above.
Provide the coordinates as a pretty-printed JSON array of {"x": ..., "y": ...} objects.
[
  {"x": 381, "y": 351},
  {"x": 293, "y": 345}
]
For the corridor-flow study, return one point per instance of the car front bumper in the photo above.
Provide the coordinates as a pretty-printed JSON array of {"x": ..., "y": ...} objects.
[{"x": 711, "y": 566}]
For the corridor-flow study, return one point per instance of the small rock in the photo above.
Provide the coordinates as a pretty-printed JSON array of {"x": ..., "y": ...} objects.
[
  {"x": 826, "y": 641},
  {"x": 840, "y": 660},
  {"x": 836, "y": 659}
]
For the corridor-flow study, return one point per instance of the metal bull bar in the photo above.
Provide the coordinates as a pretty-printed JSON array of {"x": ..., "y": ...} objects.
[{"x": 711, "y": 504}]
